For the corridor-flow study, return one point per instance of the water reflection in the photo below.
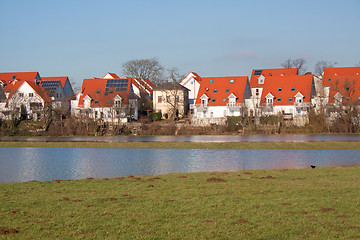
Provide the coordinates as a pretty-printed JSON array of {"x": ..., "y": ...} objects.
[{"x": 43, "y": 164}]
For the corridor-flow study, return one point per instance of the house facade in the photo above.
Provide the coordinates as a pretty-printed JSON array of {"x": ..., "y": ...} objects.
[
  {"x": 288, "y": 96},
  {"x": 107, "y": 99},
  {"x": 192, "y": 82},
  {"x": 219, "y": 97},
  {"x": 257, "y": 81},
  {"x": 171, "y": 99}
]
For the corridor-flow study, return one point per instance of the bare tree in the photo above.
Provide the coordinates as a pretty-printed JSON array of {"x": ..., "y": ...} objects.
[
  {"x": 298, "y": 63},
  {"x": 321, "y": 65},
  {"x": 149, "y": 69}
]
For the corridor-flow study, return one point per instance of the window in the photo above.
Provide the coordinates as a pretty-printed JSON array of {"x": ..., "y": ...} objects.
[
  {"x": 168, "y": 99},
  {"x": 213, "y": 100},
  {"x": 211, "y": 114},
  {"x": 257, "y": 92},
  {"x": 177, "y": 98},
  {"x": 279, "y": 99},
  {"x": 159, "y": 99},
  {"x": 192, "y": 82},
  {"x": 14, "y": 77},
  {"x": 215, "y": 91},
  {"x": 211, "y": 81},
  {"x": 290, "y": 99},
  {"x": 329, "y": 79},
  {"x": 96, "y": 101},
  {"x": 108, "y": 101},
  {"x": 293, "y": 89},
  {"x": 31, "y": 94},
  {"x": 280, "y": 89},
  {"x": 117, "y": 103},
  {"x": 232, "y": 80},
  {"x": 257, "y": 72},
  {"x": 227, "y": 90},
  {"x": 21, "y": 94},
  {"x": 224, "y": 100},
  {"x": 98, "y": 91},
  {"x": 269, "y": 100}
]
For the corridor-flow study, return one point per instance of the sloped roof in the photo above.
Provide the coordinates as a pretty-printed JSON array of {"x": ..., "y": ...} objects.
[
  {"x": 220, "y": 88},
  {"x": 111, "y": 75},
  {"x": 15, "y": 85},
  {"x": 62, "y": 79},
  {"x": 189, "y": 76},
  {"x": 26, "y": 76},
  {"x": 347, "y": 86},
  {"x": 170, "y": 86},
  {"x": 142, "y": 84},
  {"x": 290, "y": 85},
  {"x": 105, "y": 90},
  {"x": 332, "y": 73},
  {"x": 256, "y": 73}
]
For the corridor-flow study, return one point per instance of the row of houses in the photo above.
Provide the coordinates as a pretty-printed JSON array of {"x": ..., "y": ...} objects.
[{"x": 207, "y": 100}]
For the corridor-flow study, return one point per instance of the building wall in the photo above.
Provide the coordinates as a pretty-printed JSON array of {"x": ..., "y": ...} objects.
[{"x": 166, "y": 108}]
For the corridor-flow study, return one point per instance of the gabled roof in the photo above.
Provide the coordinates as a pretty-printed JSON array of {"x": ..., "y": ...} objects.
[
  {"x": 13, "y": 87},
  {"x": 347, "y": 86},
  {"x": 143, "y": 85},
  {"x": 286, "y": 87},
  {"x": 333, "y": 73},
  {"x": 104, "y": 91},
  {"x": 189, "y": 76},
  {"x": 256, "y": 73},
  {"x": 170, "y": 86},
  {"x": 62, "y": 80},
  {"x": 110, "y": 76},
  {"x": 220, "y": 88}
]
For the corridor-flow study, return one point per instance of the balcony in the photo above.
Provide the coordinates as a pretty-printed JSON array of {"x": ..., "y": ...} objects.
[
  {"x": 201, "y": 107},
  {"x": 234, "y": 106},
  {"x": 266, "y": 106},
  {"x": 302, "y": 105}
]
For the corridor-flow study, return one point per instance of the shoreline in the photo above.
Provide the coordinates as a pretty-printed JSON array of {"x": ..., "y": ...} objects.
[{"x": 326, "y": 145}]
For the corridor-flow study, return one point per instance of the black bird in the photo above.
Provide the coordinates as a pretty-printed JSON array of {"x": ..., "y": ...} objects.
[{"x": 313, "y": 166}]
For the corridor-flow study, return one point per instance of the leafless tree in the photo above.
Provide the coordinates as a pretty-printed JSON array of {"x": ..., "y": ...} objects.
[
  {"x": 321, "y": 65},
  {"x": 150, "y": 69},
  {"x": 298, "y": 63}
]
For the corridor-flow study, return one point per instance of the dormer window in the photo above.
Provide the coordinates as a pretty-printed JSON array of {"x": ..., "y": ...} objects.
[
  {"x": 213, "y": 100},
  {"x": 224, "y": 100},
  {"x": 215, "y": 90},
  {"x": 96, "y": 101},
  {"x": 211, "y": 81},
  {"x": 290, "y": 99},
  {"x": 278, "y": 99},
  {"x": 227, "y": 90},
  {"x": 293, "y": 89},
  {"x": 329, "y": 79},
  {"x": 98, "y": 91},
  {"x": 280, "y": 89},
  {"x": 14, "y": 77},
  {"x": 261, "y": 79},
  {"x": 117, "y": 103}
]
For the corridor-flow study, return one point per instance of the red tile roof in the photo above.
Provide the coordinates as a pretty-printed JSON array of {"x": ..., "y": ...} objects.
[
  {"x": 221, "y": 88},
  {"x": 112, "y": 75},
  {"x": 61, "y": 79},
  {"x": 269, "y": 73},
  {"x": 290, "y": 85},
  {"x": 26, "y": 76},
  {"x": 347, "y": 86},
  {"x": 95, "y": 89},
  {"x": 332, "y": 73},
  {"x": 142, "y": 84}
]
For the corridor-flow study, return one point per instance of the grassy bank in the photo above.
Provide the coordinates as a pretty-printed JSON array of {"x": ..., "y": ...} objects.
[
  {"x": 191, "y": 145},
  {"x": 320, "y": 203}
]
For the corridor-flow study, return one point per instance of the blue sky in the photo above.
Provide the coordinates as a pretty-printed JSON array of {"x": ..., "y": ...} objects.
[{"x": 83, "y": 39}]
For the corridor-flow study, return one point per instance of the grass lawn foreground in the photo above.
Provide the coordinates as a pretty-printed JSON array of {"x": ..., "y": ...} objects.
[{"x": 320, "y": 203}]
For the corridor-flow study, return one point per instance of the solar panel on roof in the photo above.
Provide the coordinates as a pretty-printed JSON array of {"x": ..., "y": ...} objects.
[
  {"x": 119, "y": 84},
  {"x": 257, "y": 72}
]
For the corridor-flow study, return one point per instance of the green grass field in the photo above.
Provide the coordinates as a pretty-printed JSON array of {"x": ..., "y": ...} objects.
[
  {"x": 320, "y": 203},
  {"x": 191, "y": 145}
]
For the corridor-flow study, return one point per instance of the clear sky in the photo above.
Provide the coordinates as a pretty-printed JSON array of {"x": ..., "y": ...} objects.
[{"x": 85, "y": 38}]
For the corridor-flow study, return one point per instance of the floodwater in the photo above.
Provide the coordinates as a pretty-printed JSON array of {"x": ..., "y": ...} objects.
[
  {"x": 46, "y": 164},
  {"x": 198, "y": 138}
]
